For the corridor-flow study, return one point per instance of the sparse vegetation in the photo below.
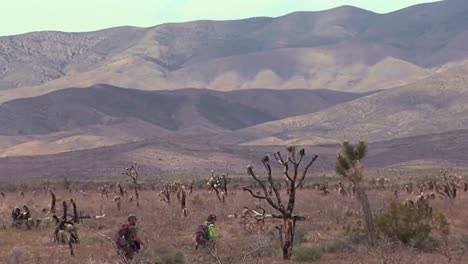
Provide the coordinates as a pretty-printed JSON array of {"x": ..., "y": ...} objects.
[
  {"x": 174, "y": 257},
  {"x": 334, "y": 228},
  {"x": 409, "y": 225},
  {"x": 308, "y": 254}
]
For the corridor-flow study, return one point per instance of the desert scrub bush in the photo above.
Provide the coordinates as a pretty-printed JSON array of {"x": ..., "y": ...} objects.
[
  {"x": 173, "y": 257},
  {"x": 411, "y": 225},
  {"x": 17, "y": 256},
  {"x": 304, "y": 254},
  {"x": 353, "y": 228},
  {"x": 336, "y": 247},
  {"x": 301, "y": 236},
  {"x": 93, "y": 238},
  {"x": 197, "y": 200}
]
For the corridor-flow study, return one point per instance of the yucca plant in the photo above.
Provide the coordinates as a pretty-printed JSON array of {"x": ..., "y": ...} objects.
[{"x": 349, "y": 165}]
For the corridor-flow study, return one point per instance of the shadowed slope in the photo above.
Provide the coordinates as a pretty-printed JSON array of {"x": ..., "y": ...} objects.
[{"x": 432, "y": 105}]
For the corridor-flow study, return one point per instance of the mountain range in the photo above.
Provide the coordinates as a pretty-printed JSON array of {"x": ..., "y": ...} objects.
[
  {"x": 197, "y": 95},
  {"x": 72, "y": 119},
  {"x": 345, "y": 48}
]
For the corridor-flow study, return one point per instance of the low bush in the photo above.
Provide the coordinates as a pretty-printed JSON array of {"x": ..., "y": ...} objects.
[
  {"x": 411, "y": 225},
  {"x": 173, "y": 257},
  {"x": 308, "y": 254},
  {"x": 197, "y": 200}
]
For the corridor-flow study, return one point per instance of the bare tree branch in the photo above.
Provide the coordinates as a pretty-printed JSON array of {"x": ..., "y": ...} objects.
[
  {"x": 253, "y": 194},
  {"x": 265, "y": 191},
  {"x": 246, "y": 254},
  {"x": 266, "y": 163},
  {"x": 304, "y": 173}
]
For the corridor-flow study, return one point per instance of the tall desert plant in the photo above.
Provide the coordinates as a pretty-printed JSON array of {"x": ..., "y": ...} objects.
[{"x": 349, "y": 165}]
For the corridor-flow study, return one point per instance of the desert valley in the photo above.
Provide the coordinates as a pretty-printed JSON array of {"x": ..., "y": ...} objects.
[{"x": 196, "y": 105}]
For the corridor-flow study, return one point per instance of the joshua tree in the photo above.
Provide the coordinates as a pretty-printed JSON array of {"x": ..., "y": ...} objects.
[
  {"x": 75, "y": 211},
  {"x": 133, "y": 174},
  {"x": 53, "y": 201},
  {"x": 118, "y": 201},
  {"x": 65, "y": 232},
  {"x": 180, "y": 189},
  {"x": 121, "y": 190},
  {"x": 183, "y": 201},
  {"x": 165, "y": 194},
  {"x": 448, "y": 185},
  {"x": 348, "y": 165},
  {"x": 218, "y": 184},
  {"x": 295, "y": 178}
]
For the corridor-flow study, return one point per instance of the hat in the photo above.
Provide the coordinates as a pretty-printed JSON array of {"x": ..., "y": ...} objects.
[
  {"x": 130, "y": 216},
  {"x": 211, "y": 217}
]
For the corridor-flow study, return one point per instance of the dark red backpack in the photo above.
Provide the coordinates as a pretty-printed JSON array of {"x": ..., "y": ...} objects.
[{"x": 121, "y": 233}]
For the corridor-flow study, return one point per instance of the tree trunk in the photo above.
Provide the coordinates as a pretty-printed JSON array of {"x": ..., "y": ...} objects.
[
  {"x": 184, "y": 204},
  {"x": 53, "y": 202},
  {"x": 75, "y": 212},
  {"x": 136, "y": 195},
  {"x": 288, "y": 237},
  {"x": 368, "y": 217}
]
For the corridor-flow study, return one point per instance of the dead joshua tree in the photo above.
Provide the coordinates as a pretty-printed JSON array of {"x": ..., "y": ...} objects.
[
  {"x": 341, "y": 189},
  {"x": 165, "y": 194},
  {"x": 65, "y": 232},
  {"x": 183, "y": 201},
  {"x": 448, "y": 186},
  {"x": 286, "y": 213},
  {"x": 122, "y": 192},
  {"x": 191, "y": 186},
  {"x": 133, "y": 174},
  {"x": 103, "y": 191},
  {"x": 75, "y": 211},
  {"x": 323, "y": 187},
  {"x": 258, "y": 216},
  {"x": 218, "y": 184},
  {"x": 348, "y": 165},
  {"x": 53, "y": 202},
  {"x": 180, "y": 189},
  {"x": 409, "y": 188},
  {"x": 118, "y": 202},
  {"x": 181, "y": 193}
]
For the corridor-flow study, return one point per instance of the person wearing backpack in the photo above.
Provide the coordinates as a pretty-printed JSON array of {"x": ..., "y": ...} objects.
[
  {"x": 128, "y": 241},
  {"x": 206, "y": 232}
]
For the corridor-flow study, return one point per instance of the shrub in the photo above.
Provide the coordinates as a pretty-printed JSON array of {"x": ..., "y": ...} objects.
[
  {"x": 197, "y": 200},
  {"x": 308, "y": 254},
  {"x": 17, "y": 256},
  {"x": 336, "y": 246},
  {"x": 174, "y": 257},
  {"x": 409, "y": 225},
  {"x": 300, "y": 236},
  {"x": 97, "y": 239},
  {"x": 353, "y": 227}
]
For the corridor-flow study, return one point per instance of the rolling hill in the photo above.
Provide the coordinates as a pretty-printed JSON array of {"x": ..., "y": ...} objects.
[
  {"x": 72, "y": 119},
  {"x": 196, "y": 156},
  {"x": 432, "y": 105}
]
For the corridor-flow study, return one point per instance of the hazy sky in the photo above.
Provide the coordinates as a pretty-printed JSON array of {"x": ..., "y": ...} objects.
[{"x": 19, "y": 16}]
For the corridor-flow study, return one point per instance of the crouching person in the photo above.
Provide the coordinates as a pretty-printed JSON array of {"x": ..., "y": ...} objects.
[
  {"x": 206, "y": 234},
  {"x": 128, "y": 242}
]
